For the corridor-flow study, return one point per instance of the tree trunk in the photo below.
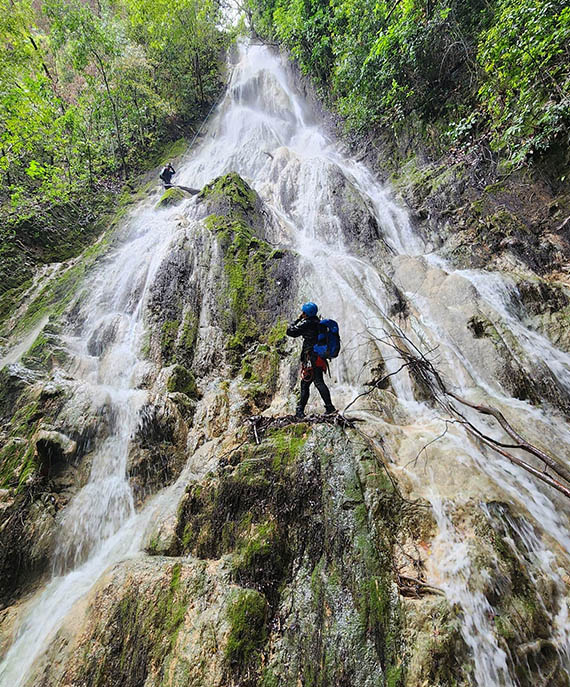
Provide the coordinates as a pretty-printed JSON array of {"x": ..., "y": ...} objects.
[{"x": 115, "y": 116}]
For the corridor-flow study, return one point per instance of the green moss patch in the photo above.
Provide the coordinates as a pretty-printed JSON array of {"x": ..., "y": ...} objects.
[
  {"x": 246, "y": 270},
  {"x": 172, "y": 196},
  {"x": 259, "y": 371},
  {"x": 140, "y": 634},
  {"x": 230, "y": 192},
  {"x": 248, "y": 508},
  {"x": 54, "y": 298},
  {"x": 183, "y": 381},
  {"x": 248, "y": 613}
]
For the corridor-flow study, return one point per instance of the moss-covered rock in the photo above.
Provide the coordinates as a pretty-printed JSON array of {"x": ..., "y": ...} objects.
[
  {"x": 229, "y": 195},
  {"x": 259, "y": 371},
  {"x": 254, "y": 279},
  {"x": 172, "y": 196},
  {"x": 60, "y": 288},
  {"x": 312, "y": 523},
  {"x": 181, "y": 380},
  {"x": 222, "y": 287},
  {"x": 247, "y": 614},
  {"x": 131, "y": 637}
]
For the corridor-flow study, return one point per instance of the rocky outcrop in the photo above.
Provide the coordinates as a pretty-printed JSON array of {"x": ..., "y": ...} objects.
[
  {"x": 477, "y": 332},
  {"x": 43, "y": 460},
  {"x": 222, "y": 287},
  {"x": 298, "y": 559},
  {"x": 157, "y": 451},
  {"x": 297, "y": 556},
  {"x": 172, "y": 196},
  {"x": 286, "y": 575}
]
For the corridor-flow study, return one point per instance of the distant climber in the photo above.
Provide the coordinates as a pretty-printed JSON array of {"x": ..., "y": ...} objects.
[
  {"x": 166, "y": 176},
  {"x": 309, "y": 326},
  {"x": 167, "y": 173}
]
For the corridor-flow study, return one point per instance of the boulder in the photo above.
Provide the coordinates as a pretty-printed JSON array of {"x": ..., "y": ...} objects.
[
  {"x": 172, "y": 196},
  {"x": 52, "y": 449}
]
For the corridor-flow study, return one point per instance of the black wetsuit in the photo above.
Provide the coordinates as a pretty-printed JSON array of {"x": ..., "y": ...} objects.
[{"x": 309, "y": 328}]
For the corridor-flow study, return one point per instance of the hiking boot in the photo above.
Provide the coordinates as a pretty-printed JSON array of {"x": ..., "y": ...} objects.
[
  {"x": 300, "y": 414},
  {"x": 330, "y": 410}
]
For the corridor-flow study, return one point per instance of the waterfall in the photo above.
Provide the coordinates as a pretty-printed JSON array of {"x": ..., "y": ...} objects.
[
  {"x": 99, "y": 526},
  {"x": 265, "y": 131}
]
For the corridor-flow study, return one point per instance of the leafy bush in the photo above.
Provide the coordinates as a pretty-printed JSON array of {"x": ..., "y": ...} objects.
[{"x": 485, "y": 69}]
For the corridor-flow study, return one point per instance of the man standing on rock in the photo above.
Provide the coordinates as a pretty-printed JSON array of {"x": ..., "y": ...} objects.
[
  {"x": 167, "y": 173},
  {"x": 313, "y": 366}
]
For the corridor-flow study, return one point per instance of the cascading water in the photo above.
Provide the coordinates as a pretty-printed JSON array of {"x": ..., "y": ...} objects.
[
  {"x": 266, "y": 133},
  {"x": 99, "y": 526}
]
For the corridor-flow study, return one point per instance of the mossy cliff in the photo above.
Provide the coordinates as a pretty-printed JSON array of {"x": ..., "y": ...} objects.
[
  {"x": 294, "y": 557},
  {"x": 282, "y": 571},
  {"x": 39, "y": 455},
  {"x": 51, "y": 422},
  {"x": 223, "y": 276}
]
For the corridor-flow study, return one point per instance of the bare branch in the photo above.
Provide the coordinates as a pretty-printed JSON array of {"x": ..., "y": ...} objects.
[{"x": 424, "y": 370}]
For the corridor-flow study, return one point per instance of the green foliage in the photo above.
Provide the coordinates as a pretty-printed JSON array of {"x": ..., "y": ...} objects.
[
  {"x": 526, "y": 91},
  {"x": 88, "y": 94},
  {"x": 482, "y": 69}
]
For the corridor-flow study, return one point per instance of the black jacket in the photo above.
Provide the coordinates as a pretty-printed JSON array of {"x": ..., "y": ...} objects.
[
  {"x": 309, "y": 329},
  {"x": 167, "y": 173}
]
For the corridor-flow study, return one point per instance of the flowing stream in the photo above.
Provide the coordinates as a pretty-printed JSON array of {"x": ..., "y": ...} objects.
[{"x": 266, "y": 132}]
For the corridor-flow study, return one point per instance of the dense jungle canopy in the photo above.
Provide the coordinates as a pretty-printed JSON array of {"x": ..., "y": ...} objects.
[
  {"x": 88, "y": 94},
  {"x": 172, "y": 511},
  {"x": 488, "y": 70}
]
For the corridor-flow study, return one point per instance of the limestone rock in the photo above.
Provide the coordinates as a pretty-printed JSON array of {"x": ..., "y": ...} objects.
[{"x": 52, "y": 449}]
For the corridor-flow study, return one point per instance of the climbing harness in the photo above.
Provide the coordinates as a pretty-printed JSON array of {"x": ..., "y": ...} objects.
[{"x": 307, "y": 371}]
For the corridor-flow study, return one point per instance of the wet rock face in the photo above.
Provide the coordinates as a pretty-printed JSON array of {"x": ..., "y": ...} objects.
[
  {"x": 222, "y": 287},
  {"x": 523, "y": 602},
  {"x": 291, "y": 521},
  {"x": 282, "y": 571},
  {"x": 42, "y": 463},
  {"x": 157, "y": 450},
  {"x": 103, "y": 337},
  {"x": 291, "y": 561},
  {"x": 53, "y": 450},
  {"x": 357, "y": 219},
  {"x": 479, "y": 217},
  {"x": 548, "y": 310},
  {"x": 479, "y": 334}
]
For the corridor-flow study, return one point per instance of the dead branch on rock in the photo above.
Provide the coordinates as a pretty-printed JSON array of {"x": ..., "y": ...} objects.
[
  {"x": 521, "y": 443},
  {"x": 424, "y": 372},
  {"x": 375, "y": 384},
  {"x": 414, "y": 587},
  {"x": 261, "y": 423}
]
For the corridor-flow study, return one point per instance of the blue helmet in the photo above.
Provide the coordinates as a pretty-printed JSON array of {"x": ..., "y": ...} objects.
[{"x": 309, "y": 309}]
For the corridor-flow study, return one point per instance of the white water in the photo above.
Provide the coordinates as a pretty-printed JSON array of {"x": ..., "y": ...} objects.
[
  {"x": 263, "y": 113},
  {"x": 490, "y": 660},
  {"x": 99, "y": 526}
]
